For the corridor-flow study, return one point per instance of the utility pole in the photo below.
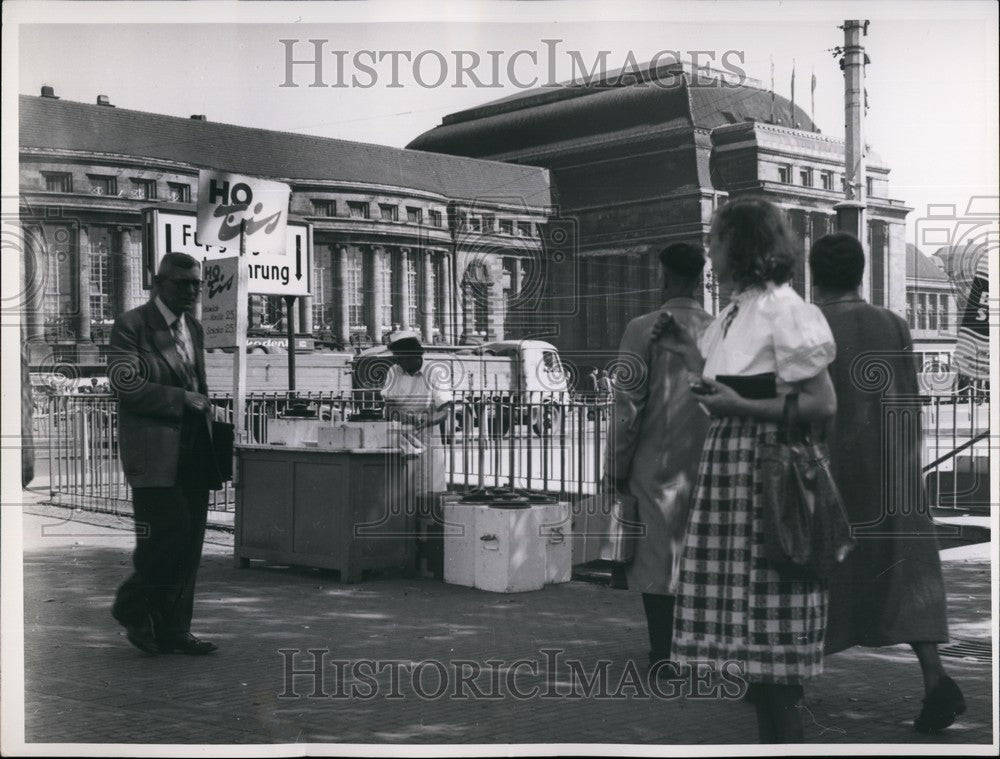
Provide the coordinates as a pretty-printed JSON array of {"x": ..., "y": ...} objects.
[{"x": 851, "y": 210}]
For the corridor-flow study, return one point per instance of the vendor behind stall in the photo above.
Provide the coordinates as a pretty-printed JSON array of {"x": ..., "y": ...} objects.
[{"x": 412, "y": 397}]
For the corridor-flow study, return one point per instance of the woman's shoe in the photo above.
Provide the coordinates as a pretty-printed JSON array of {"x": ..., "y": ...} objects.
[{"x": 941, "y": 706}]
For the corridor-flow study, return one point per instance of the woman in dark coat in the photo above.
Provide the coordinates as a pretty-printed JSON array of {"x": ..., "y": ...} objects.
[{"x": 889, "y": 590}]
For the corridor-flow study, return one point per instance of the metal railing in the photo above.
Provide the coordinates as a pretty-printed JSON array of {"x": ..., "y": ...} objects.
[
  {"x": 543, "y": 441},
  {"x": 555, "y": 442},
  {"x": 957, "y": 449}
]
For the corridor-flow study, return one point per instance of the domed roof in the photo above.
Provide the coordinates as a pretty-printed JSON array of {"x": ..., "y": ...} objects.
[{"x": 651, "y": 102}]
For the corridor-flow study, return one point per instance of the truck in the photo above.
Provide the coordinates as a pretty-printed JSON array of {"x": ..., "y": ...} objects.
[
  {"x": 315, "y": 372},
  {"x": 495, "y": 384}
]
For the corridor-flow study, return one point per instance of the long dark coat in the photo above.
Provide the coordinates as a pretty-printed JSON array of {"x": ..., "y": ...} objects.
[{"x": 889, "y": 590}]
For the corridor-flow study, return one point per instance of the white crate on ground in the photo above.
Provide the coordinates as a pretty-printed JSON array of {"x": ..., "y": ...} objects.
[
  {"x": 506, "y": 550},
  {"x": 556, "y": 531},
  {"x": 510, "y": 550},
  {"x": 459, "y": 543}
]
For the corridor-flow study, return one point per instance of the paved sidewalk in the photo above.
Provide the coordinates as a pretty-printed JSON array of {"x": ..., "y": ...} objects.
[{"x": 85, "y": 683}]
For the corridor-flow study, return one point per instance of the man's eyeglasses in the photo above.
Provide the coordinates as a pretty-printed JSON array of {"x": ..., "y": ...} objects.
[{"x": 195, "y": 283}]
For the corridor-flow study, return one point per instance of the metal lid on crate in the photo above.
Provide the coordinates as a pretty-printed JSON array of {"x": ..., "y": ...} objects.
[{"x": 507, "y": 498}]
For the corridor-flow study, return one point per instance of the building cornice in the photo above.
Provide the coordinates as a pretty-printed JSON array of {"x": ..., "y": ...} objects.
[
  {"x": 581, "y": 145},
  {"x": 702, "y": 193}
]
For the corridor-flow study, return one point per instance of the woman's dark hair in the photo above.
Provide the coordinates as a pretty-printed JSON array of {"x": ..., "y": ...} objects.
[
  {"x": 837, "y": 261},
  {"x": 758, "y": 245}
]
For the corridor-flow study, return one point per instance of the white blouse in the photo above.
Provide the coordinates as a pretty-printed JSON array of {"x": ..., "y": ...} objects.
[
  {"x": 413, "y": 390},
  {"x": 768, "y": 329}
]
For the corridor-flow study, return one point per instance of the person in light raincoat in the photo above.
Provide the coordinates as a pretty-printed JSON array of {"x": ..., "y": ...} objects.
[{"x": 659, "y": 433}]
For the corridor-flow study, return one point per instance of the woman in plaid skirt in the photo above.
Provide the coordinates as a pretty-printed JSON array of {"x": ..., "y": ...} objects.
[{"x": 731, "y": 604}]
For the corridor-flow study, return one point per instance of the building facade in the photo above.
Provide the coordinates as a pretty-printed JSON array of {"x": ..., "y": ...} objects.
[
  {"x": 643, "y": 161},
  {"x": 931, "y": 310},
  {"x": 400, "y": 238}
]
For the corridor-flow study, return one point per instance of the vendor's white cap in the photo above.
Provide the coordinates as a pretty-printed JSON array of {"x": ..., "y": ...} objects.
[{"x": 403, "y": 334}]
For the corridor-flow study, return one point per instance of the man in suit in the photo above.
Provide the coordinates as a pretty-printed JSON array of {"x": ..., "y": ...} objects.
[
  {"x": 659, "y": 431},
  {"x": 157, "y": 370}
]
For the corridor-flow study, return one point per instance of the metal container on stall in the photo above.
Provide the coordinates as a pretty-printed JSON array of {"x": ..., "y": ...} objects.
[{"x": 294, "y": 431}]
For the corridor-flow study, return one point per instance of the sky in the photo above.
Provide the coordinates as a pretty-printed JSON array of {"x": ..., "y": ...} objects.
[{"x": 932, "y": 82}]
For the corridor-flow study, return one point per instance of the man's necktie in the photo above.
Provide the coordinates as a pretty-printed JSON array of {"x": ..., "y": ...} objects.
[{"x": 184, "y": 351}]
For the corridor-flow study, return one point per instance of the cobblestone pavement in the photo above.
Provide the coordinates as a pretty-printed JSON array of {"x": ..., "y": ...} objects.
[{"x": 86, "y": 684}]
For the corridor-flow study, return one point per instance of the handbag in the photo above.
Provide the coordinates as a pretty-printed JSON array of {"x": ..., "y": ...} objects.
[
  {"x": 806, "y": 530},
  {"x": 606, "y": 526}
]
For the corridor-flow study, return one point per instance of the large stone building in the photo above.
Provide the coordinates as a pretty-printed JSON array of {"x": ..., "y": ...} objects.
[
  {"x": 400, "y": 237},
  {"x": 931, "y": 310},
  {"x": 637, "y": 163}
]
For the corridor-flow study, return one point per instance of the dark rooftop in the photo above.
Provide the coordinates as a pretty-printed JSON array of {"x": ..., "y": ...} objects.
[
  {"x": 50, "y": 123},
  {"x": 555, "y": 115},
  {"x": 920, "y": 266}
]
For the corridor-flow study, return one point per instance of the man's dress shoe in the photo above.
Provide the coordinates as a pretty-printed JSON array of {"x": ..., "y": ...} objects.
[
  {"x": 187, "y": 644},
  {"x": 142, "y": 636}
]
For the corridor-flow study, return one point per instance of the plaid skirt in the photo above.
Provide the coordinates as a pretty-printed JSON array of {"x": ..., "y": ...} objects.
[{"x": 731, "y": 605}]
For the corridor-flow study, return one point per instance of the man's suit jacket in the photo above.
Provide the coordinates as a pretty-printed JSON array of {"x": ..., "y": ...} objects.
[{"x": 147, "y": 375}]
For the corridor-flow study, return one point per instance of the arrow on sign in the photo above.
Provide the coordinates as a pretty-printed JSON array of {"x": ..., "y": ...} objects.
[{"x": 298, "y": 258}]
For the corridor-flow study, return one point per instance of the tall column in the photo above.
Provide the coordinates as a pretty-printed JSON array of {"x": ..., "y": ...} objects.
[
  {"x": 448, "y": 298},
  {"x": 404, "y": 288},
  {"x": 807, "y": 241},
  {"x": 896, "y": 267},
  {"x": 428, "y": 305},
  {"x": 33, "y": 264},
  {"x": 515, "y": 316},
  {"x": 375, "y": 326},
  {"x": 83, "y": 287},
  {"x": 343, "y": 312},
  {"x": 851, "y": 210},
  {"x": 495, "y": 303},
  {"x": 866, "y": 241},
  {"x": 126, "y": 296},
  {"x": 468, "y": 306}
]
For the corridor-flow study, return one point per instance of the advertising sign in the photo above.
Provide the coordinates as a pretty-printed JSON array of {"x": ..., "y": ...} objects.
[
  {"x": 972, "y": 354},
  {"x": 223, "y": 302},
  {"x": 267, "y": 274},
  {"x": 230, "y": 205}
]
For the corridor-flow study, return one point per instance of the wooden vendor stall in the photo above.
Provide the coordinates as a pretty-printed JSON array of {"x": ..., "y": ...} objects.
[{"x": 321, "y": 507}]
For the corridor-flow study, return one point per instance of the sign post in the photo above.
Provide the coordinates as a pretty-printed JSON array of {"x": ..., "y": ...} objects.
[
  {"x": 224, "y": 320},
  {"x": 290, "y": 326}
]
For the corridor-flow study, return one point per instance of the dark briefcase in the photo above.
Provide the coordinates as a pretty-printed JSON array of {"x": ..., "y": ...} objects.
[{"x": 223, "y": 437}]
